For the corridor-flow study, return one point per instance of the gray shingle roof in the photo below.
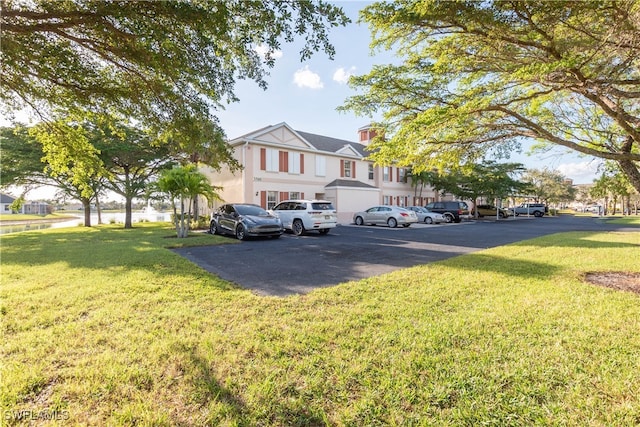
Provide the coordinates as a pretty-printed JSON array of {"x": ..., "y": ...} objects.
[
  {"x": 5, "y": 198},
  {"x": 348, "y": 183},
  {"x": 333, "y": 145}
]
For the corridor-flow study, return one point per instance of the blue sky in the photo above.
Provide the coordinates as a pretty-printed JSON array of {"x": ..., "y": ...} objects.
[{"x": 306, "y": 95}]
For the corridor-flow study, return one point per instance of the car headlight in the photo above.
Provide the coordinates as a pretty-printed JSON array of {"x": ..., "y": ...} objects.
[{"x": 248, "y": 221}]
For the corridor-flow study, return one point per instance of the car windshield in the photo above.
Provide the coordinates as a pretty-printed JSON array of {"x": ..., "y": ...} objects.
[{"x": 251, "y": 210}]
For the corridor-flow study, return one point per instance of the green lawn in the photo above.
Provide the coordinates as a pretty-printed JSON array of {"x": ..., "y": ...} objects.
[{"x": 105, "y": 326}]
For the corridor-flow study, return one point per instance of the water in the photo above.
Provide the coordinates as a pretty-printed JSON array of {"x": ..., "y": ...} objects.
[{"x": 107, "y": 218}]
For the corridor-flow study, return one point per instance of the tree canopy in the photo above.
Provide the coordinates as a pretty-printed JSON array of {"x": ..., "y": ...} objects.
[
  {"x": 168, "y": 64},
  {"x": 488, "y": 179},
  {"x": 481, "y": 77},
  {"x": 549, "y": 186}
]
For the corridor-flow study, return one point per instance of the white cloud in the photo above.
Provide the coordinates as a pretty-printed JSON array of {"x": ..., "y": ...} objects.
[
  {"x": 304, "y": 77},
  {"x": 580, "y": 172},
  {"x": 263, "y": 49},
  {"x": 342, "y": 75}
]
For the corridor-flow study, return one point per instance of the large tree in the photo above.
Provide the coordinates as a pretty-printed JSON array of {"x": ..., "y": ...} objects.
[
  {"x": 482, "y": 76},
  {"x": 84, "y": 157},
  {"x": 167, "y": 64},
  {"x": 32, "y": 157},
  {"x": 549, "y": 186},
  {"x": 132, "y": 159},
  {"x": 487, "y": 179}
]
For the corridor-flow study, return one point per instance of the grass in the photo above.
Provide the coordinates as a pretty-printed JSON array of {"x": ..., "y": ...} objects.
[{"x": 108, "y": 327}]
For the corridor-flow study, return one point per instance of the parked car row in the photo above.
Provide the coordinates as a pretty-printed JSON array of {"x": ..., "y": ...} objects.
[{"x": 244, "y": 220}]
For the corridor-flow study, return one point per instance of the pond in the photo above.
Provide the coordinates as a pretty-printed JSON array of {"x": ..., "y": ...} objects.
[{"x": 107, "y": 218}]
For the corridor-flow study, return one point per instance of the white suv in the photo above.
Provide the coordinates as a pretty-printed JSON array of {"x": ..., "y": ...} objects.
[{"x": 300, "y": 216}]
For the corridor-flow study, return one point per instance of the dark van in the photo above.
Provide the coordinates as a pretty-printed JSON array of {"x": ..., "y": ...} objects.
[{"x": 452, "y": 211}]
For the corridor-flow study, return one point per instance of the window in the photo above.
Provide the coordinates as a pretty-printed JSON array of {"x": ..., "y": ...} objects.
[
  {"x": 370, "y": 171},
  {"x": 273, "y": 160},
  {"x": 321, "y": 166},
  {"x": 272, "y": 197},
  {"x": 386, "y": 174},
  {"x": 386, "y": 200},
  {"x": 347, "y": 169},
  {"x": 293, "y": 195},
  {"x": 294, "y": 163},
  {"x": 402, "y": 175}
]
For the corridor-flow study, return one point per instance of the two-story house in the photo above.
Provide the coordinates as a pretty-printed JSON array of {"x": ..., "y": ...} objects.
[{"x": 281, "y": 163}]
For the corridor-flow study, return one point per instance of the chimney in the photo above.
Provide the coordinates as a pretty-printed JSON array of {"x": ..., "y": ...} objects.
[{"x": 366, "y": 134}]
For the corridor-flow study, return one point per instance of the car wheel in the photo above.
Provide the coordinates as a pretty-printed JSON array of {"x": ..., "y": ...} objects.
[
  {"x": 324, "y": 231},
  {"x": 448, "y": 218},
  {"x": 213, "y": 229},
  {"x": 359, "y": 220},
  {"x": 538, "y": 214},
  {"x": 297, "y": 228},
  {"x": 428, "y": 220},
  {"x": 392, "y": 223},
  {"x": 503, "y": 215},
  {"x": 240, "y": 232}
]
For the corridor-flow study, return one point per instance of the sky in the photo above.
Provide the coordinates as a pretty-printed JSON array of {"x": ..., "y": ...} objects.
[{"x": 306, "y": 95}]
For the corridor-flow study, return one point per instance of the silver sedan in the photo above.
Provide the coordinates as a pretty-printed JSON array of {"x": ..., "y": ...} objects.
[
  {"x": 427, "y": 216},
  {"x": 389, "y": 215}
]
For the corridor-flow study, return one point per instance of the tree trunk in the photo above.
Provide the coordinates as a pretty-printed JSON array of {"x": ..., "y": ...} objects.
[
  {"x": 86, "y": 205},
  {"x": 183, "y": 225},
  {"x": 196, "y": 214},
  {"x": 128, "y": 197},
  {"x": 127, "y": 212},
  {"x": 98, "y": 209}
]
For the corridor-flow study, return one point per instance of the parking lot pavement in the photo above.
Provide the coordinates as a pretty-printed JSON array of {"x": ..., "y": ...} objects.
[{"x": 300, "y": 264}]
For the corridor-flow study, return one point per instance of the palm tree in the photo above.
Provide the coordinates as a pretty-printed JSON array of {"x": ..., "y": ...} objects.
[{"x": 186, "y": 184}]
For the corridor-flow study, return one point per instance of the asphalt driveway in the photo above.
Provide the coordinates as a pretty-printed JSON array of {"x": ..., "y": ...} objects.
[{"x": 299, "y": 264}]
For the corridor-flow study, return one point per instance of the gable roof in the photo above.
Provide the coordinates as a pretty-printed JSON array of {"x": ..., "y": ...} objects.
[
  {"x": 5, "y": 198},
  {"x": 313, "y": 141},
  {"x": 332, "y": 145}
]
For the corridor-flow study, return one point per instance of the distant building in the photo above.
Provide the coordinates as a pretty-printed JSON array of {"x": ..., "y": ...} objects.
[
  {"x": 28, "y": 207},
  {"x": 5, "y": 203}
]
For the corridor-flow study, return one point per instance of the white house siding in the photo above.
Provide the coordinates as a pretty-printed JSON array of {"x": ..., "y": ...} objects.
[{"x": 253, "y": 183}]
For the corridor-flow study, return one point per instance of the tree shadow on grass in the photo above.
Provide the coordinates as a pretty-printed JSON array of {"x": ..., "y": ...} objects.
[
  {"x": 511, "y": 267},
  {"x": 282, "y": 411},
  {"x": 481, "y": 261},
  {"x": 110, "y": 250}
]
